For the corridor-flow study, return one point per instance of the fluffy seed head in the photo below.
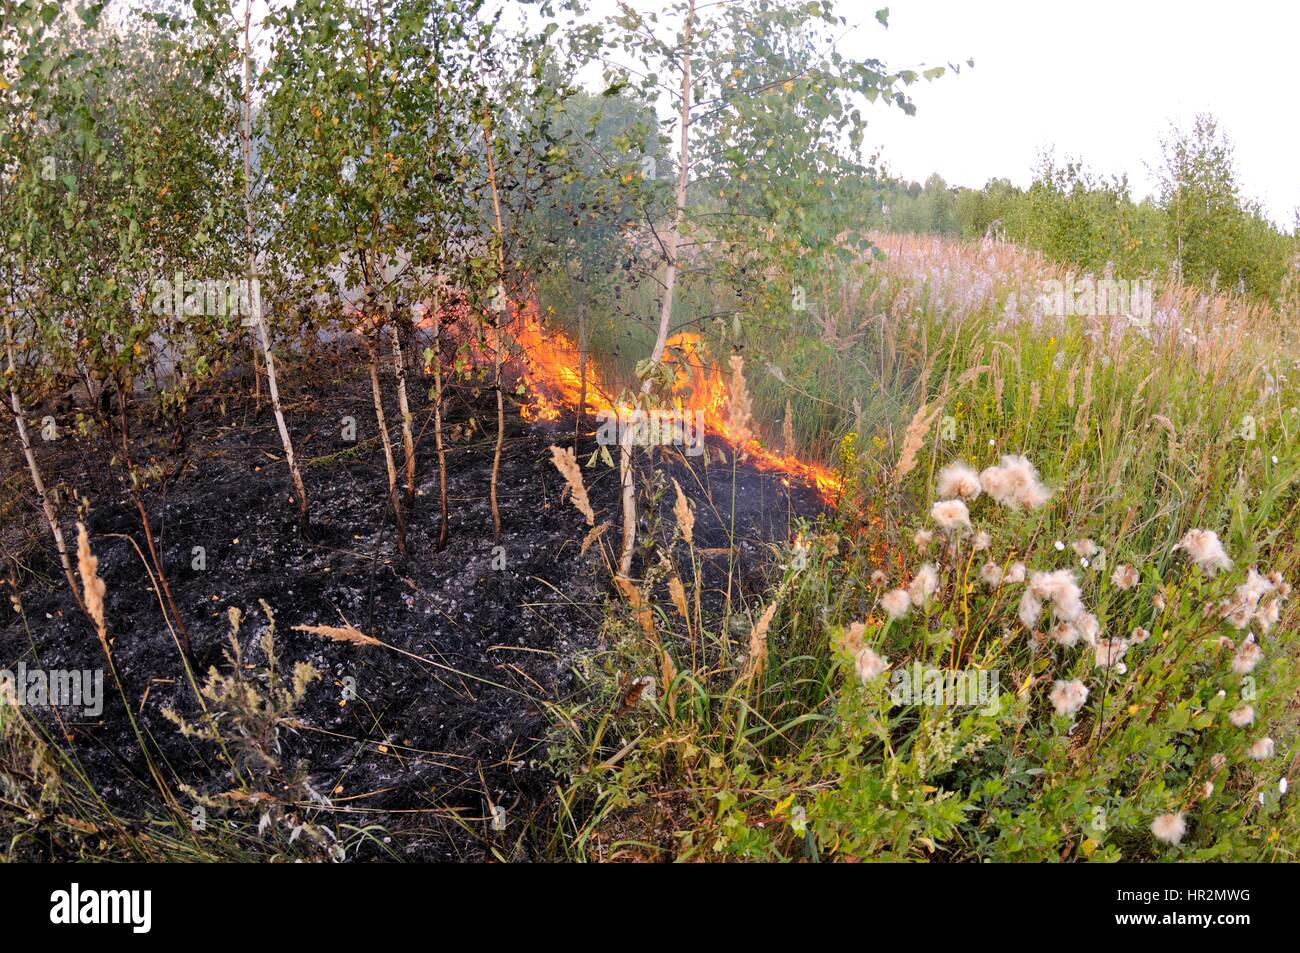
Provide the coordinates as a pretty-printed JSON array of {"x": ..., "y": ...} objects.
[
  {"x": 1124, "y": 576},
  {"x": 896, "y": 603},
  {"x": 869, "y": 665},
  {"x": 1205, "y": 551},
  {"x": 1068, "y": 697},
  {"x": 1169, "y": 828},
  {"x": 1242, "y": 717},
  {"x": 950, "y": 515},
  {"x": 1261, "y": 749},
  {"x": 958, "y": 479}
]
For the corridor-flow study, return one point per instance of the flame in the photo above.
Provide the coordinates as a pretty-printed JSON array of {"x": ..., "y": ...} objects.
[{"x": 553, "y": 375}]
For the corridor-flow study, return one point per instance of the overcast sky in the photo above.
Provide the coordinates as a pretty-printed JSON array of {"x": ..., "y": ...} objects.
[{"x": 1099, "y": 80}]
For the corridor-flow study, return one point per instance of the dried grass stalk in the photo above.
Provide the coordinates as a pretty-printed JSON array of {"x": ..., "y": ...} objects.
[
  {"x": 566, "y": 461},
  {"x": 339, "y": 633},
  {"x": 740, "y": 407},
  {"x": 684, "y": 514},
  {"x": 92, "y": 585},
  {"x": 913, "y": 440}
]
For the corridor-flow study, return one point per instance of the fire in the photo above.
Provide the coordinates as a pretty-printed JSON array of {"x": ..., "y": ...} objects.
[{"x": 553, "y": 376}]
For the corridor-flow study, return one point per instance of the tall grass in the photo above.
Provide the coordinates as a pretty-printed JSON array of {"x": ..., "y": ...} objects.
[{"x": 1143, "y": 430}]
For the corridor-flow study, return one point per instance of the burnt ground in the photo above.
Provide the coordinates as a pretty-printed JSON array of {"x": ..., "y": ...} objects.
[{"x": 420, "y": 750}]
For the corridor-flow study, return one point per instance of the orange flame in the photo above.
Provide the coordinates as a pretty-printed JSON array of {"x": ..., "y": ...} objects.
[{"x": 553, "y": 376}]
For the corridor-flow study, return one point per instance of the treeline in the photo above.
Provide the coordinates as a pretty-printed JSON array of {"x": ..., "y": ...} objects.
[
  {"x": 1201, "y": 225},
  {"x": 192, "y": 190}
]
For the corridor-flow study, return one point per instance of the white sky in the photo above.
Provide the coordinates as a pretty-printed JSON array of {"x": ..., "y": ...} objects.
[{"x": 1100, "y": 80}]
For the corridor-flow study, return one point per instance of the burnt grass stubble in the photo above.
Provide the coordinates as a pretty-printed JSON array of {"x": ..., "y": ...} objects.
[{"x": 225, "y": 488}]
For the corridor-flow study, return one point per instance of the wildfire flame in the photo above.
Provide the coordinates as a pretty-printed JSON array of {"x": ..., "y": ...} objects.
[{"x": 553, "y": 375}]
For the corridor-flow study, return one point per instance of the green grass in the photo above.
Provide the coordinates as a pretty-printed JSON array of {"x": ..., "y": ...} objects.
[{"x": 1140, "y": 439}]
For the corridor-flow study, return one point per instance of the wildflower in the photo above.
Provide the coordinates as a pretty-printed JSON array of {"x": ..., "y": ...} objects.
[
  {"x": 869, "y": 665},
  {"x": 1084, "y": 547},
  {"x": 1061, "y": 589},
  {"x": 1246, "y": 602},
  {"x": 1242, "y": 717},
  {"x": 1207, "y": 789},
  {"x": 1261, "y": 749},
  {"x": 1139, "y": 635},
  {"x": 896, "y": 603},
  {"x": 951, "y": 515},
  {"x": 1218, "y": 760},
  {"x": 1169, "y": 828},
  {"x": 878, "y": 579},
  {"x": 923, "y": 584},
  {"x": 1064, "y": 634},
  {"x": 1089, "y": 628},
  {"x": 991, "y": 574},
  {"x": 922, "y": 539},
  {"x": 1158, "y": 601},
  {"x": 1108, "y": 652},
  {"x": 1204, "y": 549},
  {"x": 1281, "y": 785},
  {"x": 1269, "y": 613},
  {"x": 1246, "y": 658},
  {"x": 1068, "y": 697},
  {"x": 981, "y": 542},
  {"x": 1060, "y": 546},
  {"x": 1124, "y": 576},
  {"x": 1015, "y": 573},
  {"x": 1015, "y": 483},
  {"x": 958, "y": 480},
  {"x": 1031, "y": 607}
]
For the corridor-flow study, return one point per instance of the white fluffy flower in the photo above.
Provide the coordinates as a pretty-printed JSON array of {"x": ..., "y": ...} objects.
[
  {"x": 1204, "y": 549},
  {"x": 1124, "y": 576},
  {"x": 950, "y": 515},
  {"x": 1169, "y": 828},
  {"x": 1242, "y": 717},
  {"x": 896, "y": 602},
  {"x": 1108, "y": 652},
  {"x": 1031, "y": 607},
  {"x": 923, "y": 584},
  {"x": 869, "y": 665},
  {"x": 1261, "y": 749},
  {"x": 1015, "y": 483},
  {"x": 1246, "y": 658},
  {"x": 1068, "y": 697},
  {"x": 958, "y": 479}
]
